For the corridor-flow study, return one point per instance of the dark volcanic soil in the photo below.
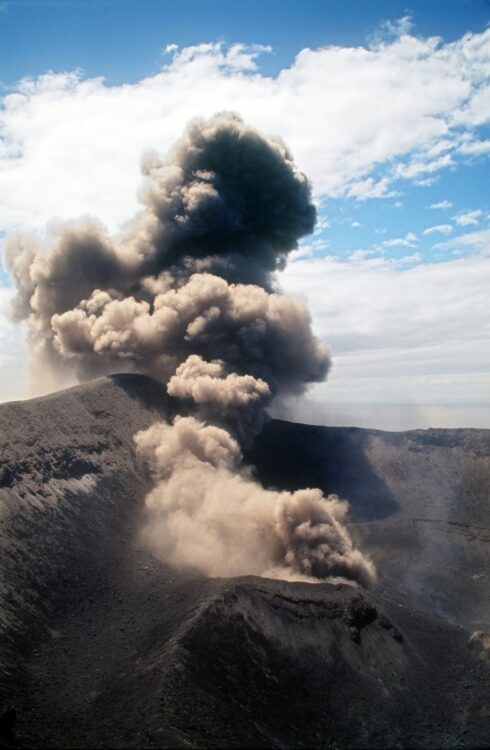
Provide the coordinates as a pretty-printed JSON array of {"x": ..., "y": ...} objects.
[{"x": 102, "y": 645}]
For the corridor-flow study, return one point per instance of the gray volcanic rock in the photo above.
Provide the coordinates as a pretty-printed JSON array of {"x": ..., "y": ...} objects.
[{"x": 103, "y": 645}]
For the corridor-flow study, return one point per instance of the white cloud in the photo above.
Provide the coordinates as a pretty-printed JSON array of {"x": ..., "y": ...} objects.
[
  {"x": 391, "y": 30},
  {"x": 13, "y": 364},
  {"x": 407, "y": 260},
  {"x": 478, "y": 109},
  {"x": 415, "y": 335},
  {"x": 466, "y": 218},
  {"x": 321, "y": 224},
  {"x": 71, "y": 146},
  {"x": 439, "y": 229},
  {"x": 426, "y": 181},
  {"x": 409, "y": 240},
  {"x": 369, "y": 188},
  {"x": 445, "y": 204},
  {"x": 361, "y": 255},
  {"x": 417, "y": 167},
  {"x": 239, "y": 57},
  {"x": 475, "y": 242},
  {"x": 476, "y": 148}
]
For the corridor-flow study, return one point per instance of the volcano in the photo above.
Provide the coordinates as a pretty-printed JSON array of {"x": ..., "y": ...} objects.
[{"x": 105, "y": 645}]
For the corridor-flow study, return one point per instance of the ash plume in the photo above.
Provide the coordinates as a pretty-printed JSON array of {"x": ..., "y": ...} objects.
[
  {"x": 187, "y": 294},
  {"x": 207, "y": 511}
]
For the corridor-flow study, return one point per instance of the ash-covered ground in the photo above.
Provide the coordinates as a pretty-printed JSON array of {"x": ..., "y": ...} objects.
[{"x": 103, "y": 645}]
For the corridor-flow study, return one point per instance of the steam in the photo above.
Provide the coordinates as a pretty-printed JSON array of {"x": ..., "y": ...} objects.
[{"x": 187, "y": 294}]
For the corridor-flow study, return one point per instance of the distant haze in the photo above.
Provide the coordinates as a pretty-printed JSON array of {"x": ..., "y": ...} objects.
[{"x": 383, "y": 416}]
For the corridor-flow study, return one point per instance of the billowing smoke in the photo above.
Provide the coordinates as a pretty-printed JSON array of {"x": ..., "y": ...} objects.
[
  {"x": 227, "y": 201},
  {"x": 187, "y": 294},
  {"x": 206, "y": 511}
]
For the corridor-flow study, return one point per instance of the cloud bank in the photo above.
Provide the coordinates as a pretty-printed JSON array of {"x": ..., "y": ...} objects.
[{"x": 413, "y": 335}]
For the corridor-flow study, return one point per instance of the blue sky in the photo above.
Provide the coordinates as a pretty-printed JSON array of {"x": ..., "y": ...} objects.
[
  {"x": 386, "y": 107},
  {"x": 122, "y": 39}
]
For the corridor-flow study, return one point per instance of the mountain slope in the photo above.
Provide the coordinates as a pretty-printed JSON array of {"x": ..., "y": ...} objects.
[
  {"x": 71, "y": 487},
  {"x": 420, "y": 503},
  {"x": 102, "y": 645}
]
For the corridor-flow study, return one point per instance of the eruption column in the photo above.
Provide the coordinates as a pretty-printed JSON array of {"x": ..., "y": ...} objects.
[{"x": 188, "y": 295}]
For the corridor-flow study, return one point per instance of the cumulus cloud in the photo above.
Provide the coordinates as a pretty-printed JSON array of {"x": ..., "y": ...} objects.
[
  {"x": 472, "y": 242},
  {"x": 13, "y": 358},
  {"x": 389, "y": 30},
  {"x": 445, "y": 204},
  {"x": 419, "y": 167},
  {"x": 434, "y": 96},
  {"x": 467, "y": 218},
  {"x": 439, "y": 229},
  {"x": 409, "y": 240},
  {"x": 476, "y": 148}
]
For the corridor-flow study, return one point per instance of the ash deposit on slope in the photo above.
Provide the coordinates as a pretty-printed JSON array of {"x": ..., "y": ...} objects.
[{"x": 188, "y": 295}]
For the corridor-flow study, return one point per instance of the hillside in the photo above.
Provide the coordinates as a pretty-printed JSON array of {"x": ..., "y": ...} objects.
[
  {"x": 419, "y": 500},
  {"x": 102, "y": 645}
]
